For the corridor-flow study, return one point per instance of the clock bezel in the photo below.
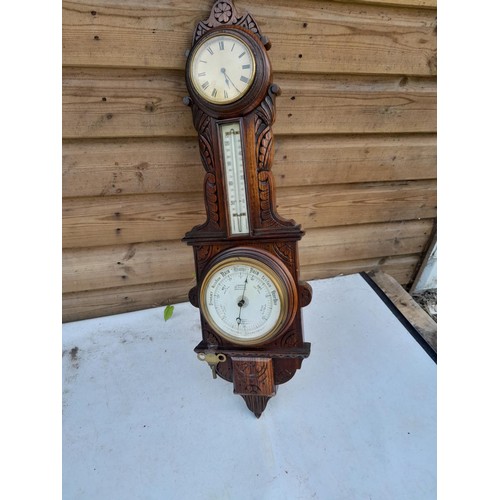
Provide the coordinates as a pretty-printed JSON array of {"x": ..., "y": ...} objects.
[
  {"x": 254, "y": 94},
  {"x": 192, "y": 69}
]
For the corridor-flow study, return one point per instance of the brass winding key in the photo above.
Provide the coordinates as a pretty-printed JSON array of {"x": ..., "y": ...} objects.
[{"x": 212, "y": 359}]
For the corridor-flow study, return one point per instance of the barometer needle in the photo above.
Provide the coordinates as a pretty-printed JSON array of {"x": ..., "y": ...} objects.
[{"x": 241, "y": 303}]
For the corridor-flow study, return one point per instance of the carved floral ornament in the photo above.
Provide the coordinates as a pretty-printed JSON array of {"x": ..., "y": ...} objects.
[{"x": 223, "y": 12}]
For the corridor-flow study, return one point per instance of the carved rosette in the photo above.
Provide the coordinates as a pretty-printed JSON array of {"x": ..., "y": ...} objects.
[{"x": 224, "y": 13}]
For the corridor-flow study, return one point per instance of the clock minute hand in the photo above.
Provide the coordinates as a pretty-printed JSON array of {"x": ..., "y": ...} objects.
[{"x": 223, "y": 70}]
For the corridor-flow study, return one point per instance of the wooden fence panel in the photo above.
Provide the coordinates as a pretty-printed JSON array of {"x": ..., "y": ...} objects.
[
  {"x": 138, "y": 263},
  {"x": 169, "y": 165},
  {"x": 126, "y": 103},
  {"x": 101, "y": 302},
  {"x": 355, "y": 142},
  {"x": 311, "y": 36},
  {"x": 117, "y": 220}
]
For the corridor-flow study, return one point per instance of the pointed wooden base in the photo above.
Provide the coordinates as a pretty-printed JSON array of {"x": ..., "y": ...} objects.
[{"x": 256, "y": 404}]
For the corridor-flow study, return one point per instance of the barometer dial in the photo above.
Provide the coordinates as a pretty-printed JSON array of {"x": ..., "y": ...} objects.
[{"x": 244, "y": 300}]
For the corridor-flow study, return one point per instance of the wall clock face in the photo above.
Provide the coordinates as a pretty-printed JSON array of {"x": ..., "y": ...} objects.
[
  {"x": 222, "y": 69},
  {"x": 244, "y": 300}
]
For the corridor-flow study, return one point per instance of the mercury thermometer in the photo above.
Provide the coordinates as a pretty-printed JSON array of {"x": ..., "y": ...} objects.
[{"x": 235, "y": 178}]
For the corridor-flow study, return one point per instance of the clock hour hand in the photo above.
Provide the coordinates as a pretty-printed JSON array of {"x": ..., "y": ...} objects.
[
  {"x": 225, "y": 77},
  {"x": 223, "y": 71}
]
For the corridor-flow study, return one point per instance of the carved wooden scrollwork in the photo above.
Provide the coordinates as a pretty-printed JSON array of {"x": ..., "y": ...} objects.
[
  {"x": 252, "y": 374},
  {"x": 284, "y": 370},
  {"x": 212, "y": 202},
  {"x": 202, "y": 123},
  {"x": 211, "y": 338},
  {"x": 285, "y": 250},
  {"x": 290, "y": 339},
  {"x": 264, "y": 118},
  {"x": 203, "y": 255},
  {"x": 264, "y": 143}
]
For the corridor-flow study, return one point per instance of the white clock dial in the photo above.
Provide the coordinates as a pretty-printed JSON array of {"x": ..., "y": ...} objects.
[
  {"x": 243, "y": 300},
  {"x": 222, "y": 69},
  {"x": 235, "y": 178}
]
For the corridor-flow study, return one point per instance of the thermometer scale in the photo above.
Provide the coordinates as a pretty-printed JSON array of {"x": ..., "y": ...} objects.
[{"x": 235, "y": 178}]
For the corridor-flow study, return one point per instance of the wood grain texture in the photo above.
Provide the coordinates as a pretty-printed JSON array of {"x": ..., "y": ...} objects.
[
  {"x": 102, "y": 302},
  {"x": 324, "y": 206},
  {"x": 404, "y": 302},
  {"x": 118, "y": 220},
  {"x": 115, "y": 103},
  {"x": 430, "y": 4},
  {"x": 309, "y": 36},
  {"x": 347, "y": 243},
  {"x": 113, "y": 167},
  {"x": 167, "y": 165},
  {"x": 151, "y": 262},
  {"x": 120, "y": 265},
  {"x": 355, "y": 142},
  {"x": 401, "y": 268}
]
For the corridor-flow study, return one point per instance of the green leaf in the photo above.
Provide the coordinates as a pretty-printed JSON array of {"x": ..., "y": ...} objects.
[{"x": 167, "y": 313}]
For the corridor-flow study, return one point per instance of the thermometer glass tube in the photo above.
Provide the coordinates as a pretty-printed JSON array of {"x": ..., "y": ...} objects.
[{"x": 235, "y": 178}]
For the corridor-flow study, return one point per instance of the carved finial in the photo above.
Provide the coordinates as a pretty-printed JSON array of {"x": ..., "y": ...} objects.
[{"x": 224, "y": 13}]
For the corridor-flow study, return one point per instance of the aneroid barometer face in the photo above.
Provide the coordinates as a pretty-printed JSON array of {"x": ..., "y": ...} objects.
[
  {"x": 243, "y": 300},
  {"x": 222, "y": 69}
]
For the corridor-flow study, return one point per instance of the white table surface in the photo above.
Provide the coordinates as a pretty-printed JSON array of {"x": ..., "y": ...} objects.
[{"x": 143, "y": 418}]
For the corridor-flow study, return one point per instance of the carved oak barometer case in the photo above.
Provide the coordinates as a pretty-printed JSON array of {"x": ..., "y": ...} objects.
[{"x": 247, "y": 269}]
